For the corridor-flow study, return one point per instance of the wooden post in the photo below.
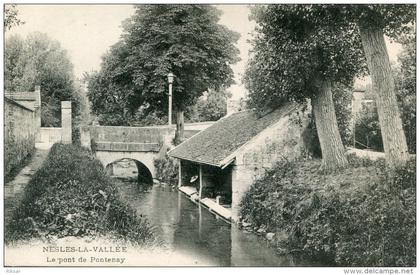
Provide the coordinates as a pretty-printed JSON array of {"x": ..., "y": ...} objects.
[
  {"x": 200, "y": 220},
  {"x": 201, "y": 182},
  {"x": 170, "y": 105},
  {"x": 179, "y": 173}
]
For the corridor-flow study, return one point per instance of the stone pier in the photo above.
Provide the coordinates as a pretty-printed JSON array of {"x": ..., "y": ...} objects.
[{"x": 66, "y": 122}]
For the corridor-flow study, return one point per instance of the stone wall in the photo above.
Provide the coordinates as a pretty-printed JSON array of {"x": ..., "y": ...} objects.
[
  {"x": 281, "y": 141},
  {"x": 30, "y": 100},
  {"x": 49, "y": 135},
  {"x": 160, "y": 137},
  {"x": 127, "y": 134},
  {"x": 19, "y": 133},
  {"x": 44, "y": 135}
]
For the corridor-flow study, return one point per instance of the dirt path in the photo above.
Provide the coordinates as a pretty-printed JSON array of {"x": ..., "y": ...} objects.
[{"x": 13, "y": 190}]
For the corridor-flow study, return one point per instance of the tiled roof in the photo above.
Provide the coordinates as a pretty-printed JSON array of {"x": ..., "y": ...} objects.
[{"x": 214, "y": 144}]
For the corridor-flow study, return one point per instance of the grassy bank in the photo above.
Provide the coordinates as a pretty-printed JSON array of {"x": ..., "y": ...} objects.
[
  {"x": 359, "y": 216},
  {"x": 70, "y": 195},
  {"x": 17, "y": 154}
]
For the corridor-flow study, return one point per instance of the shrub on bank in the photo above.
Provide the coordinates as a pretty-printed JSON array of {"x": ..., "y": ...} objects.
[
  {"x": 359, "y": 216},
  {"x": 167, "y": 170},
  {"x": 16, "y": 155},
  {"x": 70, "y": 195}
]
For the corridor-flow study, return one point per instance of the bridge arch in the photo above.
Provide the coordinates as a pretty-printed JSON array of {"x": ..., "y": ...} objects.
[
  {"x": 144, "y": 161},
  {"x": 143, "y": 173}
]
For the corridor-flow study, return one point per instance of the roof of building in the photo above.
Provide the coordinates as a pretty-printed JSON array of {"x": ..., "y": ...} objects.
[
  {"x": 6, "y": 99},
  {"x": 30, "y": 96},
  {"x": 213, "y": 145}
]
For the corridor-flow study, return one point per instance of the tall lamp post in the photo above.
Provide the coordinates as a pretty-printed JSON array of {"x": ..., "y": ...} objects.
[{"x": 170, "y": 81}]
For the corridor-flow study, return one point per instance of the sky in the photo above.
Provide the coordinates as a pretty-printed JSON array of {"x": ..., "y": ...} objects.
[{"x": 87, "y": 32}]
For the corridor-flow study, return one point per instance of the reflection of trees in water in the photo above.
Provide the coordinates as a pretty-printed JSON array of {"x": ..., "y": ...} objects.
[
  {"x": 191, "y": 230},
  {"x": 199, "y": 233}
]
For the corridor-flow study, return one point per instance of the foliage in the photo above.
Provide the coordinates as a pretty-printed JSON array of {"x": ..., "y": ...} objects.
[
  {"x": 11, "y": 17},
  {"x": 110, "y": 101},
  {"x": 393, "y": 19},
  {"x": 167, "y": 170},
  {"x": 39, "y": 60},
  {"x": 295, "y": 44},
  {"x": 300, "y": 52},
  {"x": 184, "y": 39},
  {"x": 373, "y": 22},
  {"x": 367, "y": 124},
  {"x": 357, "y": 161},
  {"x": 381, "y": 223},
  {"x": 360, "y": 216},
  {"x": 70, "y": 195},
  {"x": 367, "y": 129},
  {"x": 210, "y": 107},
  {"x": 16, "y": 155},
  {"x": 141, "y": 119},
  {"x": 406, "y": 87},
  {"x": 342, "y": 101}
]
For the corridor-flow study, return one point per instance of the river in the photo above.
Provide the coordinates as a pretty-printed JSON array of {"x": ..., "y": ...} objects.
[{"x": 190, "y": 229}]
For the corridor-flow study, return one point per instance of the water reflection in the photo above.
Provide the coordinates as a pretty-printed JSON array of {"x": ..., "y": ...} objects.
[{"x": 192, "y": 230}]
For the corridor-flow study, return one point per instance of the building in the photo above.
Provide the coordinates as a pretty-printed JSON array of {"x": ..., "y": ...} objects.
[
  {"x": 361, "y": 98},
  {"x": 219, "y": 164}
]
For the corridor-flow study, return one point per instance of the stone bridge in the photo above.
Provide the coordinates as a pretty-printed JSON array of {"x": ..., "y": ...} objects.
[{"x": 141, "y": 144}]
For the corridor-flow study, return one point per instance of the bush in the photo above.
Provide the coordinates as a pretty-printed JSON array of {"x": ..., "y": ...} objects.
[
  {"x": 70, "y": 195},
  {"x": 167, "y": 170},
  {"x": 367, "y": 129},
  {"x": 16, "y": 155},
  {"x": 360, "y": 216}
]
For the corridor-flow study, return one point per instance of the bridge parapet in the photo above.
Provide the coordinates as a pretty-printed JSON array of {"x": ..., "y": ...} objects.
[
  {"x": 127, "y": 146},
  {"x": 143, "y": 144},
  {"x": 128, "y": 139},
  {"x": 128, "y": 134}
]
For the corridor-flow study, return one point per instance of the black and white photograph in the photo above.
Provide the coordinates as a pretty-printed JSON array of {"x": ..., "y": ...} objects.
[{"x": 277, "y": 135}]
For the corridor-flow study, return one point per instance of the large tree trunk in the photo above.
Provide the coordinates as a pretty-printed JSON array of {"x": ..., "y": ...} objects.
[
  {"x": 179, "y": 132},
  {"x": 394, "y": 141},
  {"x": 332, "y": 148}
]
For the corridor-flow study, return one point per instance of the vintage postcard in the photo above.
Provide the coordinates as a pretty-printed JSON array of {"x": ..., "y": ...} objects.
[{"x": 227, "y": 135}]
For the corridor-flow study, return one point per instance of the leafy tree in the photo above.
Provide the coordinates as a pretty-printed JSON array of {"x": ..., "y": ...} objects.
[
  {"x": 301, "y": 52},
  {"x": 341, "y": 96},
  {"x": 209, "y": 107},
  {"x": 111, "y": 91},
  {"x": 39, "y": 60},
  {"x": 373, "y": 22},
  {"x": 11, "y": 17},
  {"x": 367, "y": 127},
  {"x": 183, "y": 39},
  {"x": 406, "y": 87}
]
